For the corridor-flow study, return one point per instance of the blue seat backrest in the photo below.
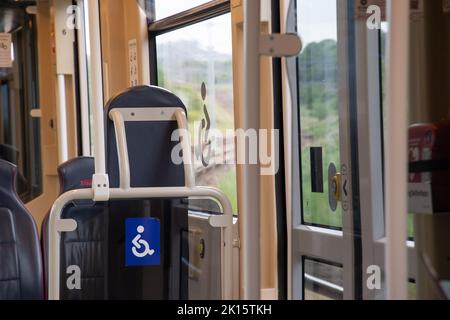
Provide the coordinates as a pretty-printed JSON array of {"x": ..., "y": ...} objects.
[
  {"x": 76, "y": 174},
  {"x": 87, "y": 246},
  {"x": 21, "y": 271},
  {"x": 149, "y": 142},
  {"x": 149, "y": 150}
]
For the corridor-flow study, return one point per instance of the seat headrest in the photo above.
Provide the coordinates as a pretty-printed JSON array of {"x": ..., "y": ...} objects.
[
  {"x": 76, "y": 174},
  {"x": 20, "y": 238},
  {"x": 8, "y": 173},
  {"x": 151, "y": 163},
  {"x": 145, "y": 97}
]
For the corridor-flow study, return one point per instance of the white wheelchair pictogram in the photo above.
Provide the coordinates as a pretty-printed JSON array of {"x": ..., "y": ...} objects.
[{"x": 140, "y": 243}]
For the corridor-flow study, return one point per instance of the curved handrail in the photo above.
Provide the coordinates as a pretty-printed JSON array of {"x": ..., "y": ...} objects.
[{"x": 58, "y": 225}]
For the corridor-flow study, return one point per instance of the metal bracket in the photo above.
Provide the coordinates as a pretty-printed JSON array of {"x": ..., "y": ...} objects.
[
  {"x": 220, "y": 221},
  {"x": 31, "y": 10},
  {"x": 280, "y": 45},
  {"x": 66, "y": 225},
  {"x": 100, "y": 185},
  {"x": 36, "y": 113},
  {"x": 237, "y": 243}
]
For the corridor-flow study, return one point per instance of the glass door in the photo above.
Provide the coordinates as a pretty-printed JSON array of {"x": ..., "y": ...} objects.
[
  {"x": 338, "y": 89},
  {"x": 326, "y": 230}
]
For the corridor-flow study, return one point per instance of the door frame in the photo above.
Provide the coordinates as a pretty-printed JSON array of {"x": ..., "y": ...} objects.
[
  {"x": 340, "y": 247},
  {"x": 361, "y": 244}
]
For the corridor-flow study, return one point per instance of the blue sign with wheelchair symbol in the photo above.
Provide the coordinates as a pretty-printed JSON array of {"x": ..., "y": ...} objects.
[{"x": 143, "y": 246}]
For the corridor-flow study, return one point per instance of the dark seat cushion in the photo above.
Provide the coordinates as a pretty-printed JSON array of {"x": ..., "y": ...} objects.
[
  {"x": 21, "y": 272},
  {"x": 87, "y": 246},
  {"x": 149, "y": 142}
]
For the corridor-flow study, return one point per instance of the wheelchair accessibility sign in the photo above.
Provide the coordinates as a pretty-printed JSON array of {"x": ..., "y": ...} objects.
[{"x": 142, "y": 242}]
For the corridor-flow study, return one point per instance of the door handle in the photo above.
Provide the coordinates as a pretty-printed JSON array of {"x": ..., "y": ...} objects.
[{"x": 334, "y": 187}]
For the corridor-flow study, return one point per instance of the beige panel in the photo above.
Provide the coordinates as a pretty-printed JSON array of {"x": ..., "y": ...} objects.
[
  {"x": 238, "y": 96},
  {"x": 113, "y": 48},
  {"x": 47, "y": 100},
  {"x": 268, "y": 219},
  {"x": 71, "y": 117},
  {"x": 237, "y": 38},
  {"x": 136, "y": 28},
  {"x": 269, "y": 279},
  {"x": 122, "y": 21},
  {"x": 269, "y": 267}
]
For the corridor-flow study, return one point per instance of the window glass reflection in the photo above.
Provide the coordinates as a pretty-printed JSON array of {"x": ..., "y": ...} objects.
[{"x": 202, "y": 77}]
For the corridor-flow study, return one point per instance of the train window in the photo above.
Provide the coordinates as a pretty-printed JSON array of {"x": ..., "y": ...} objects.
[
  {"x": 19, "y": 132},
  {"x": 164, "y": 9},
  {"x": 202, "y": 77},
  {"x": 323, "y": 280},
  {"x": 319, "y": 112}
]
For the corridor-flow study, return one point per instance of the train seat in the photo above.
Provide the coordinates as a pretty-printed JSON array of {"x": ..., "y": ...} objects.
[
  {"x": 150, "y": 146},
  {"x": 21, "y": 271},
  {"x": 98, "y": 245},
  {"x": 86, "y": 247}
]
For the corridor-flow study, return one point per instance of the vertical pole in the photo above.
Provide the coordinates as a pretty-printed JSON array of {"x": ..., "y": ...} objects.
[
  {"x": 63, "y": 37},
  {"x": 250, "y": 218},
  {"x": 122, "y": 149},
  {"x": 188, "y": 161},
  {"x": 84, "y": 91},
  {"x": 63, "y": 153},
  {"x": 97, "y": 86},
  {"x": 396, "y": 150}
]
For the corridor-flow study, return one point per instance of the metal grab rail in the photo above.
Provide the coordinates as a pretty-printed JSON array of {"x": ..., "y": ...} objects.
[
  {"x": 58, "y": 225},
  {"x": 119, "y": 116}
]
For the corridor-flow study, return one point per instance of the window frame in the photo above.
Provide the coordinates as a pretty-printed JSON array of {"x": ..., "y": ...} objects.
[
  {"x": 372, "y": 157},
  {"x": 312, "y": 224},
  {"x": 22, "y": 129},
  {"x": 338, "y": 290},
  {"x": 194, "y": 15}
]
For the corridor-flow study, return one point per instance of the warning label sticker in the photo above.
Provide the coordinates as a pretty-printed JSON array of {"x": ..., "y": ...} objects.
[
  {"x": 420, "y": 199},
  {"x": 5, "y": 50}
]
